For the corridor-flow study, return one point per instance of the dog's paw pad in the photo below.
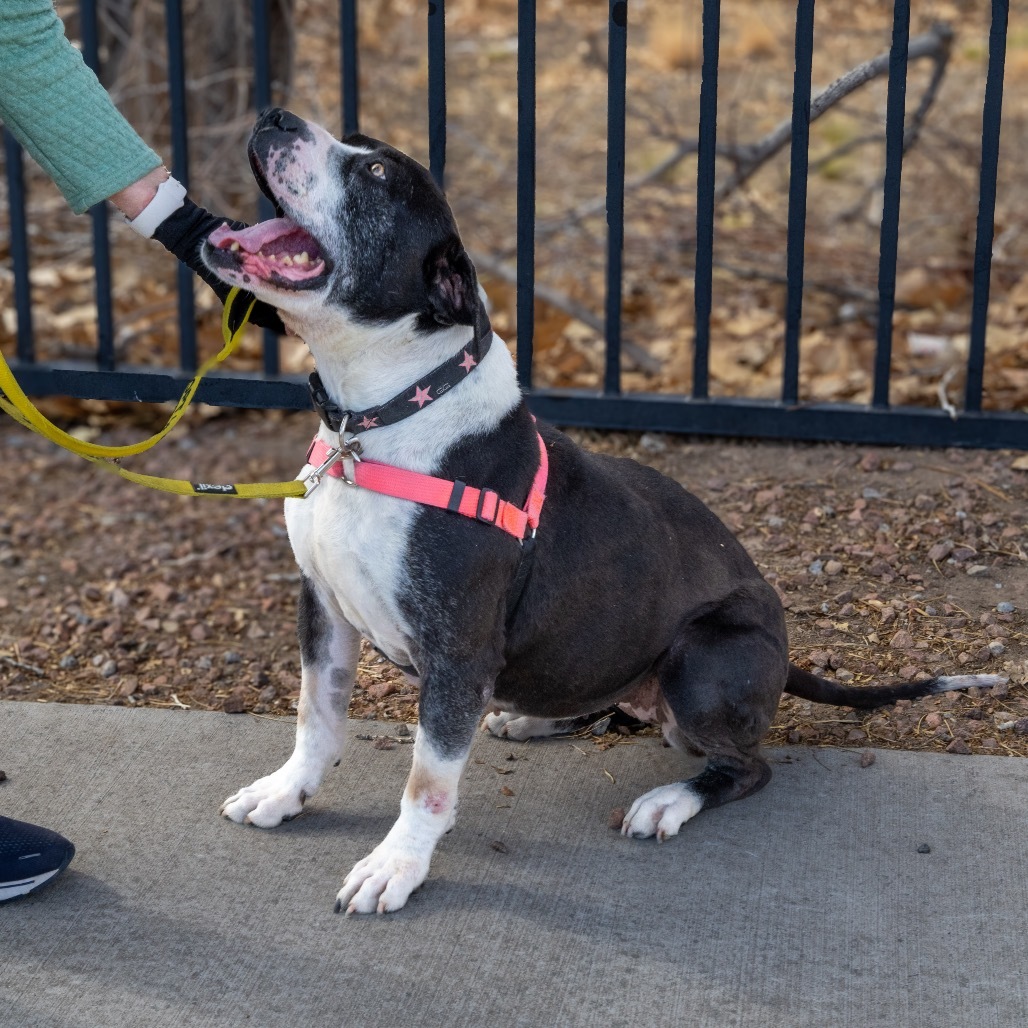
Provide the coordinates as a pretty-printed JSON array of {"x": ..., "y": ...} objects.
[{"x": 661, "y": 812}]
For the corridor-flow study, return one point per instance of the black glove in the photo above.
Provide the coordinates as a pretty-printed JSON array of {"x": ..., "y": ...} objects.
[{"x": 183, "y": 232}]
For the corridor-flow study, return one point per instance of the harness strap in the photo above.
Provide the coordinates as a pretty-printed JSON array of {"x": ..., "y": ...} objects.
[{"x": 481, "y": 504}]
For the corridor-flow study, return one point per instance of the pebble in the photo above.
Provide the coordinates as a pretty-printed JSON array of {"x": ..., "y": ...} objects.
[
  {"x": 924, "y": 848},
  {"x": 902, "y": 640},
  {"x": 235, "y": 702},
  {"x": 652, "y": 443},
  {"x": 109, "y": 669},
  {"x": 68, "y": 663},
  {"x": 996, "y": 647},
  {"x": 1006, "y": 607},
  {"x": 232, "y": 657},
  {"x": 978, "y": 569},
  {"x": 816, "y": 567},
  {"x": 867, "y": 758},
  {"x": 958, "y": 746}
]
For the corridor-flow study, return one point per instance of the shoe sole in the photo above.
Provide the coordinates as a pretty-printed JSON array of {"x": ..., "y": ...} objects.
[{"x": 15, "y": 890}]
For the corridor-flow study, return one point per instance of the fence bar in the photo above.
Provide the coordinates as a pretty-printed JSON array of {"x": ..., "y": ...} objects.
[
  {"x": 707, "y": 154},
  {"x": 888, "y": 247},
  {"x": 526, "y": 191},
  {"x": 799, "y": 159},
  {"x": 728, "y": 416},
  {"x": 98, "y": 214},
  {"x": 617, "y": 65},
  {"x": 180, "y": 169},
  {"x": 723, "y": 416},
  {"x": 991, "y": 119},
  {"x": 437, "y": 90},
  {"x": 16, "y": 200},
  {"x": 262, "y": 99},
  {"x": 348, "y": 64}
]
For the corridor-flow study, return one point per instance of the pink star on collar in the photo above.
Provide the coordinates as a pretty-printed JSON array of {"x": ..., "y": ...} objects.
[
  {"x": 421, "y": 396},
  {"x": 367, "y": 422},
  {"x": 468, "y": 363}
]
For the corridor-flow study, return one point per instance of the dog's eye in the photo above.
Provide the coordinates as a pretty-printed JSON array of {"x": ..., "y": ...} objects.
[{"x": 378, "y": 169}]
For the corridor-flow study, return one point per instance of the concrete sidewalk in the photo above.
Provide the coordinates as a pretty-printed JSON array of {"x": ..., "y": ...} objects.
[{"x": 806, "y": 905}]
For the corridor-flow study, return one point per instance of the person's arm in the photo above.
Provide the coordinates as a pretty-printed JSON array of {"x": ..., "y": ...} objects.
[{"x": 55, "y": 106}]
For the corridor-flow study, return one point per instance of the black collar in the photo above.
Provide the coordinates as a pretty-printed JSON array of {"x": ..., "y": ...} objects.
[{"x": 410, "y": 400}]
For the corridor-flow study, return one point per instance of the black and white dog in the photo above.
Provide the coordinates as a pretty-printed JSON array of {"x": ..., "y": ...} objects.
[{"x": 634, "y": 594}]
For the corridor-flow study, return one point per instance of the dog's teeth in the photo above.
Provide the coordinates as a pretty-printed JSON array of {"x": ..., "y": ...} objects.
[
  {"x": 301, "y": 258},
  {"x": 272, "y": 257},
  {"x": 235, "y": 247},
  {"x": 287, "y": 260}
]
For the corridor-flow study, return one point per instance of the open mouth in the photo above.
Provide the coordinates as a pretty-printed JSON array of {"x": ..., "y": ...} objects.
[{"x": 279, "y": 252}]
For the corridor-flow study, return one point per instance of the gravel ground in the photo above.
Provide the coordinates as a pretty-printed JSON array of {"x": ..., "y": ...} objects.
[{"x": 891, "y": 563}]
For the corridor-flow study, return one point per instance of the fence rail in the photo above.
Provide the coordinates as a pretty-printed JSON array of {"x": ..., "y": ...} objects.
[{"x": 608, "y": 406}]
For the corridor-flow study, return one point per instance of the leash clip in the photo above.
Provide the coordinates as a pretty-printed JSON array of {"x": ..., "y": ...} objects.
[
  {"x": 344, "y": 451},
  {"x": 315, "y": 478}
]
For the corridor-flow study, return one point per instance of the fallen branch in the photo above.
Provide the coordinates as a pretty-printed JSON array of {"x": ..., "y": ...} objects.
[{"x": 22, "y": 666}]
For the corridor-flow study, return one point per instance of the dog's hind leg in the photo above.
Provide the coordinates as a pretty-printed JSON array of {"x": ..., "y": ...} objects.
[
  {"x": 722, "y": 683},
  {"x": 329, "y": 647}
]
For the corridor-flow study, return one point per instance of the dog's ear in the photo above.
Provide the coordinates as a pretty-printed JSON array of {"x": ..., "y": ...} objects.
[{"x": 452, "y": 285}]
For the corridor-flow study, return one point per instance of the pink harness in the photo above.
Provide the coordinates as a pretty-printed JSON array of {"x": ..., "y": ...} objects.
[{"x": 481, "y": 504}]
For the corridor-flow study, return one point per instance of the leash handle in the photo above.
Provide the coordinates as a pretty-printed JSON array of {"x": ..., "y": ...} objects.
[{"x": 15, "y": 403}]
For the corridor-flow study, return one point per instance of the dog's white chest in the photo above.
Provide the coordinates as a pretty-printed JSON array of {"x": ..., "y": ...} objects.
[{"x": 353, "y": 543}]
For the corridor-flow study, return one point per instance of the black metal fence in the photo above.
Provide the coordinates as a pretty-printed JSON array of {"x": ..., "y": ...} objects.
[{"x": 607, "y": 406}]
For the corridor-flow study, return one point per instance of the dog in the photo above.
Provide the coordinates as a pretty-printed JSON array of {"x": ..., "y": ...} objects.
[{"x": 537, "y": 602}]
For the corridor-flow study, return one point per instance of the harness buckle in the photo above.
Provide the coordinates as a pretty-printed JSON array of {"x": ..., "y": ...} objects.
[{"x": 482, "y": 499}]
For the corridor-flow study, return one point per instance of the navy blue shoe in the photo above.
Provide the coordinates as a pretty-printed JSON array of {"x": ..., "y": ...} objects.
[{"x": 29, "y": 857}]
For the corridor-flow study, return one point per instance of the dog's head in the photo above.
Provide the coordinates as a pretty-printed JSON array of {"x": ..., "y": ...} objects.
[{"x": 363, "y": 233}]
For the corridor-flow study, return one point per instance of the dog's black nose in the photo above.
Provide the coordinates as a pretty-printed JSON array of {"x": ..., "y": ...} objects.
[{"x": 281, "y": 120}]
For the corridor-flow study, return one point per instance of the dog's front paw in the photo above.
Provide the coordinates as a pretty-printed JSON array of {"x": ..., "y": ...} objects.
[
  {"x": 267, "y": 802},
  {"x": 382, "y": 881},
  {"x": 661, "y": 812}
]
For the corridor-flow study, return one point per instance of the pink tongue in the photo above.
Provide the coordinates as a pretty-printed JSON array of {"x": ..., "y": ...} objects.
[{"x": 254, "y": 238}]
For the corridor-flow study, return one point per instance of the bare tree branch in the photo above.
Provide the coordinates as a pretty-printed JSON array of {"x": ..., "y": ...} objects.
[
  {"x": 643, "y": 360},
  {"x": 935, "y": 44},
  {"x": 748, "y": 158}
]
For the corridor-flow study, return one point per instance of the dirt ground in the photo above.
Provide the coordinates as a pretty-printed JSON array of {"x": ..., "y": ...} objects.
[{"x": 890, "y": 563}]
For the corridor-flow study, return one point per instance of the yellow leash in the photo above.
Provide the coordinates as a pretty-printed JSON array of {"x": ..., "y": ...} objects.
[{"x": 14, "y": 402}]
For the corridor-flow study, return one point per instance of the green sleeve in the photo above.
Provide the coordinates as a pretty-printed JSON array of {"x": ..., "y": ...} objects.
[{"x": 56, "y": 108}]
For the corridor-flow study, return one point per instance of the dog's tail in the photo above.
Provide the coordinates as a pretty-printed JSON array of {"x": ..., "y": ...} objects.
[{"x": 810, "y": 687}]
